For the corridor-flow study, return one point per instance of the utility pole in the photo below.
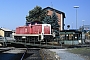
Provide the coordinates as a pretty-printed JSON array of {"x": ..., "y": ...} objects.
[{"x": 76, "y": 14}]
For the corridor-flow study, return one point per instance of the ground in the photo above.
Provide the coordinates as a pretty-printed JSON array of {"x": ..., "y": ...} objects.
[
  {"x": 73, "y": 53},
  {"x": 85, "y": 52}
]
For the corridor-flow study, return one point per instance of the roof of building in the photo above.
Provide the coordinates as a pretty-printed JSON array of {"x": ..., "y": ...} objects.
[
  {"x": 75, "y": 31},
  {"x": 60, "y": 12},
  {"x": 5, "y": 29}
]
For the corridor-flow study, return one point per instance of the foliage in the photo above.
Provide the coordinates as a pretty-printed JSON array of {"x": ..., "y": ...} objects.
[
  {"x": 41, "y": 15},
  {"x": 47, "y": 19},
  {"x": 36, "y": 14},
  {"x": 54, "y": 24},
  {"x": 68, "y": 26},
  {"x": 53, "y": 20}
]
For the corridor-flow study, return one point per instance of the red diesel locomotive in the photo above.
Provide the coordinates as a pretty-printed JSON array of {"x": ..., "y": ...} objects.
[{"x": 34, "y": 33}]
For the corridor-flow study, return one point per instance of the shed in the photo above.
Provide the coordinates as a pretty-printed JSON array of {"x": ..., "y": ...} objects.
[
  {"x": 5, "y": 32},
  {"x": 71, "y": 37}
]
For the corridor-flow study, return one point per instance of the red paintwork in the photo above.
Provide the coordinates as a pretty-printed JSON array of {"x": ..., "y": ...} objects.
[
  {"x": 29, "y": 30},
  {"x": 33, "y": 29},
  {"x": 36, "y": 29},
  {"x": 46, "y": 29},
  {"x": 17, "y": 30},
  {"x": 22, "y": 30}
]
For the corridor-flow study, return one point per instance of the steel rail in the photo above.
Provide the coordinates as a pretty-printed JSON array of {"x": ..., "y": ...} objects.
[
  {"x": 6, "y": 49},
  {"x": 24, "y": 54}
]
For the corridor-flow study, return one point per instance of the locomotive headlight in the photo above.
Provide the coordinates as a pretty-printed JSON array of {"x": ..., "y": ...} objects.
[{"x": 23, "y": 37}]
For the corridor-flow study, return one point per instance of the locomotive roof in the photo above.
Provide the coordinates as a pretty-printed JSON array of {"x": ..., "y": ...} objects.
[{"x": 33, "y": 22}]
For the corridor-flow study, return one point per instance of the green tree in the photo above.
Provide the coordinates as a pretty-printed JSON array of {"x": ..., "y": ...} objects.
[
  {"x": 53, "y": 20},
  {"x": 54, "y": 23},
  {"x": 36, "y": 14},
  {"x": 47, "y": 19}
]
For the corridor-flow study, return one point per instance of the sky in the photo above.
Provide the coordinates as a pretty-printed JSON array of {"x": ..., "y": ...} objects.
[{"x": 13, "y": 12}]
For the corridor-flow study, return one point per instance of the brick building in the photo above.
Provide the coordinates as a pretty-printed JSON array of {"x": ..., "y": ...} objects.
[{"x": 60, "y": 15}]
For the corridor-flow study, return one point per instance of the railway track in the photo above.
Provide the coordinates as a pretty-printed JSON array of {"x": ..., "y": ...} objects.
[
  {"x": 27, "y": 54},
  {"x": 6, "y": 49},
  {"x": 39, "y": 54},
  {"x": 11, "y": 53},
  {"x": 31, "y": 54}
]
